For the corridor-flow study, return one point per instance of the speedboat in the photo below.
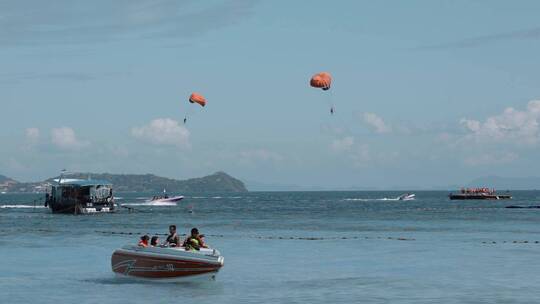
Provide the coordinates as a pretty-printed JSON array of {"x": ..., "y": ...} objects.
[
  {"x": 166, "y": 199},
  {"x": 407, "y": 197},
  {"x": 166, "y": 263}
]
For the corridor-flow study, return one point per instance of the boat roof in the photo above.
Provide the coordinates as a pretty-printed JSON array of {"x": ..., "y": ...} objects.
[{"x": 82, "y": 182}]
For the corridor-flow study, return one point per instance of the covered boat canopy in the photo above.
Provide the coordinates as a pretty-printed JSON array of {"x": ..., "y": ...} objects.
[{"x": 82, "y": 182}]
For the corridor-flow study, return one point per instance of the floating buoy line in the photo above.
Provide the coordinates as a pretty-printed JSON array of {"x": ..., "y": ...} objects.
[
  {"x": 301, "y": 238},
  {"x": 269, "y": 237}
]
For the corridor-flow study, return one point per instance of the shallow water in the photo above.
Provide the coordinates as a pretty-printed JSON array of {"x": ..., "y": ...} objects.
[{"x": 285, "y": 247}]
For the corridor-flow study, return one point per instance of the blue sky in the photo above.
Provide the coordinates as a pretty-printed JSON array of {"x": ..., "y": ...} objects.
[{"x": 427, "y": 93}]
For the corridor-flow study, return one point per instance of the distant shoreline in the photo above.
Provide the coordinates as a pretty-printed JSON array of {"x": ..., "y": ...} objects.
[{"x": 216, "y": 182}]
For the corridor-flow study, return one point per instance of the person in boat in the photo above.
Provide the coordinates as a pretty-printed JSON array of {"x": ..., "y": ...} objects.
[
  {"x": 173, "y": 240},
  {"x": 154, "y": 242},
  {"x": 194, "y": 241},
  {"x": 201, "y": 236},
  {"x": 144, "y": 241}
]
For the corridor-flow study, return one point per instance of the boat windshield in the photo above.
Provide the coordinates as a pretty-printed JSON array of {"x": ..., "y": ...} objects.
[{"x": 101, "y": 192}]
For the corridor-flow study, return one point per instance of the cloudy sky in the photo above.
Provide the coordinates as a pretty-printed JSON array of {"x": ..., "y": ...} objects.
[{"x": 427, "y": 93}]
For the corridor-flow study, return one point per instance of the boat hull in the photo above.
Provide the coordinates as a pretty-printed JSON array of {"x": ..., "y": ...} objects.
[
  {"x": 408, "y": 197},
  {"x": 164, "y": 264},
  {"x": 479, "y": 196},
  {"x": 72, "y": 208}
]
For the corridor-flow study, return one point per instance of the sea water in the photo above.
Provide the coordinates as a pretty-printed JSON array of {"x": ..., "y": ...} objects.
[{"x": 283, "y": 247}]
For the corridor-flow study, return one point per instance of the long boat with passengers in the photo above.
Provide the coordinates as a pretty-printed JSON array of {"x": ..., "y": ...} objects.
[
  {"x": 80, "y": 196},
  {"x": 479, "y": 194}
]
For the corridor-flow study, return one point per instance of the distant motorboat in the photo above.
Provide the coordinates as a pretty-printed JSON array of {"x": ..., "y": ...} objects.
[
  {"x": 407, "y": 197},
  {"x": 165, "y": 198}
]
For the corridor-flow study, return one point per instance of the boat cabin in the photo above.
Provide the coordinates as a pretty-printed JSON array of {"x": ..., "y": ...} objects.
[{"x": 79, "y": 196}]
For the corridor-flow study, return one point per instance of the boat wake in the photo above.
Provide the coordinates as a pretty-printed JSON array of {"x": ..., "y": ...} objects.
[
  {"x": 20, "y": 206},
  {"x": 150, "y": 204},
  {"x": 214, "y": 197},
  {"x": 372, "y": 199}
]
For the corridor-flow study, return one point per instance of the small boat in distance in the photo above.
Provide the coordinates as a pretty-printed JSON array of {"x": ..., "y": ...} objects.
[
  {"x": 165, "y": 198},
  {"x": 167, "y": 264},
  {"x": 478, "y": 194},
  {"x": 407, "y": 197}
]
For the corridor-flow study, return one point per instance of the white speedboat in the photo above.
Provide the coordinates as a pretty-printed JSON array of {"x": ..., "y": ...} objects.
[
  {"x": 166, "y": 199},
  {"x": 166, "y": 263},
  {"x": 407, "y": 197}
]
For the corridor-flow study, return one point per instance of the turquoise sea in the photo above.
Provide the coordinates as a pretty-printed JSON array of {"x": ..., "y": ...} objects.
[{"x": 284, "y": 247}]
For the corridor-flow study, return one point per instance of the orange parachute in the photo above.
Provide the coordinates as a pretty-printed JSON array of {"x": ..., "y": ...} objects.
[
  {"x": 321, "y": 80},
  {"x": 197, "y": 98}
]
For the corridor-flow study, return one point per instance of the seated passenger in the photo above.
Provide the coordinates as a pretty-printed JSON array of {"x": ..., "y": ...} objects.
[
  {"x": 203, "y": 242},
  {"x": 154, "y": 241},
  {"x": 194, "y": 241},
  {"x": 144, "y": 241},
  {"x": 173, "y": 240}
]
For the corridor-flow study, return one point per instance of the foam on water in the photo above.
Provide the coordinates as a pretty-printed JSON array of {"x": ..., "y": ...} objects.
[
  {"x": 21, "y": 206},
  {"x": 150, "y": 204},
  {"x": 370, "y": 199}
]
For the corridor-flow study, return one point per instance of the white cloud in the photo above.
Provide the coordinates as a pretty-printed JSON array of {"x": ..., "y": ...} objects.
[
  {"x": 510, "y": 126},
  {"x": 163, "y": 131},
  {"x": 32, "y": 135},
  {"x": 343, "y": 144},
  {"x": 361, "y": 154},
  {"x": 65, "y": 138},
  {"x": 332, "y": 130},
  {"x": 471, "y": 125},
  {"x": 357, "y": 154},
  {"x": 376, "y": 123}
]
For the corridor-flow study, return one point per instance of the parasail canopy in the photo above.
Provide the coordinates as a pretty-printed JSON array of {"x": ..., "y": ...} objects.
[
  {"x": 197, "y": 98},
  {"x": 321, "y": 80}
]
